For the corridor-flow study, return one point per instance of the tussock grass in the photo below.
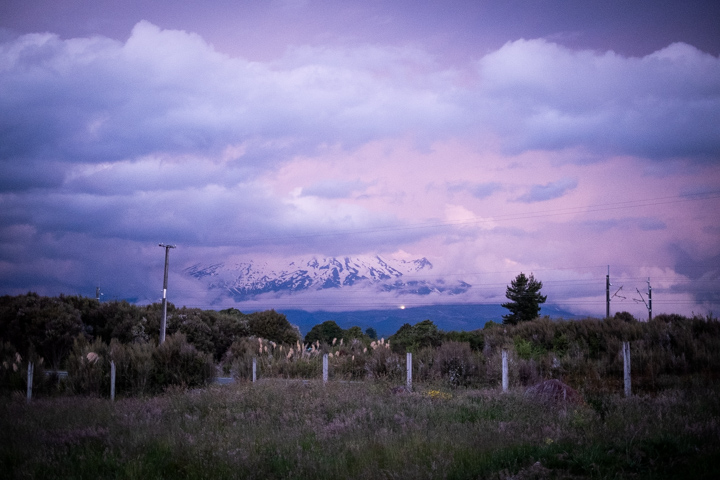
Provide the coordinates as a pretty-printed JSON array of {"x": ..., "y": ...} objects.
[{"x": 291, "y": 429}]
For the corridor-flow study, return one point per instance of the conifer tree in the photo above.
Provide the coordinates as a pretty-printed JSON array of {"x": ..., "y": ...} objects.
[{"x": 525, "y": 299}]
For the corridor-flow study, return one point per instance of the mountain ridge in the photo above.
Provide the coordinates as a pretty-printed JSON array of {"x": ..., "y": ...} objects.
[{"x": 249, "y": 279}]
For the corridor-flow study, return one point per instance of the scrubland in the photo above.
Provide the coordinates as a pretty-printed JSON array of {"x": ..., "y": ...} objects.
[{"x": 170, "y": 421}]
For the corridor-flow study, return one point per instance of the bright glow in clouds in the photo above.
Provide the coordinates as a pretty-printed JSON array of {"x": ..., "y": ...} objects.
[{"x": 532, "y": 157}]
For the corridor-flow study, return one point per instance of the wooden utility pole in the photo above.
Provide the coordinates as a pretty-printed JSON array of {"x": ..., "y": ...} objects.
[
  {"x": 163, "y": 324},
  {"x": 607, "y": 293},
  {"x": 649, "y": 300}
]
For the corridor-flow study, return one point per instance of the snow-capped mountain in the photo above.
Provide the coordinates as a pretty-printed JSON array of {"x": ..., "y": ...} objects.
[{"x": 246, "y": 280}]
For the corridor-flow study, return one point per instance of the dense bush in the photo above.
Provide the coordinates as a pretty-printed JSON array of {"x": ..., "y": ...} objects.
[
  {"x": 383, "y": 363},
  {"x": 49, "y": 326},
  {"x": 325, "y": 332},
  {"x": 178, "y": 363},
  {"x": 457, "y": 363},
  {"x": 272, "y": 326},
  {"x": 134, "y": 366},
  {"x": 141, "y": 368},
  {"x": 88, "y": 367},
  {"x": 412, "y": 338},
  {"x": 43, "y": 325},
  {"x": 475, "y": 339}
]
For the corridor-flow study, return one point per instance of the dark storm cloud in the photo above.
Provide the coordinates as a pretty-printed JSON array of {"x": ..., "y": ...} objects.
[
  {"x": 97, "y": 100},
  {"x": 18, "y": 176},
  {"x": 704, "y": 270}
]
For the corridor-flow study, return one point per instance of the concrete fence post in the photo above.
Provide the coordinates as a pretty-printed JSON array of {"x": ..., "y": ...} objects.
[
  {"x": 254, "y": 369},
  {"x": 31, "y": 368},
  {"x": 325, "y": 368},
  {"x": 505, "y": 382},
  {"x": 626, "y": 368},
  {"x": 112, "y": 380},
  {"x": 408, "y": 358}
]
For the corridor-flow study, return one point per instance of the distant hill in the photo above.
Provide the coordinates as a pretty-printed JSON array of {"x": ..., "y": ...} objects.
[{"x": 387, "y": 322}]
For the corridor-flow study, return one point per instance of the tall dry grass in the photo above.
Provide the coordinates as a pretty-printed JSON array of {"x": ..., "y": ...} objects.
[{"x": 290, "y": 429}]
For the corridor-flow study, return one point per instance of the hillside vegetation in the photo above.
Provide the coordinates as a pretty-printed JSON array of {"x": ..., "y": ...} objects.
[
  {"x": 454, "y": 423},
  {"x": 82, "y": 336}
]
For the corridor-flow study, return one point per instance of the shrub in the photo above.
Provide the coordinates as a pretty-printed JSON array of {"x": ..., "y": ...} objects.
[
  {"x": 306, "y": 366},
  {"x": 44, "y": 325},
  {"x": 134, "y": 365},
  {"x": 383, "y": 363},
  {"x": 272, "y": 326},
  {"x": 87, "y": 367},
  {"x": 325, "y": 332},
  {"x": 349, "y": 365},
  {"x": 176, "y": 362},
  {"x": 526, "y": 349},
  {"x": 475, "y": 339},
  {"x": 14, "y": 370},
  {"x": 196, "y": 328},
  {"x": 238, "y": 357},
  {"x": 625, "y": 317},
  {"x": 456, "y": 363},
  {"x": 424, "y": 365},
  {"x": 228, "y": 327},
  {"x": 413, "y": 338}
]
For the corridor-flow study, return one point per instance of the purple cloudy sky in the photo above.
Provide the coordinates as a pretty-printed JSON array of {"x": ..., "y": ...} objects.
[{"x": 492, "y": 137}]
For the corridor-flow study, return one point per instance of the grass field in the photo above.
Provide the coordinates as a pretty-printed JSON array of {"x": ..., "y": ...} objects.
[{"x": 289, "y": 429}]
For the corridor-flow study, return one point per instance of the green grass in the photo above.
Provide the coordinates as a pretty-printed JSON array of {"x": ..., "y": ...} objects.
[{"x": 281, "y": 429}]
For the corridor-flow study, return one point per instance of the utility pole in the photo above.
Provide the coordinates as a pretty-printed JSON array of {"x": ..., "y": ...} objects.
[
  {"x": 649, "y": 300},
  {"x": 164, "y": 301},
  {"x": 607, "y": 294},
  {"x": 97, "y": 294}
]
